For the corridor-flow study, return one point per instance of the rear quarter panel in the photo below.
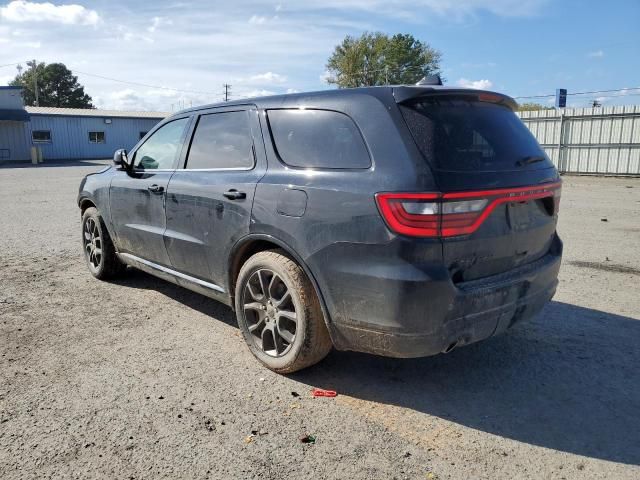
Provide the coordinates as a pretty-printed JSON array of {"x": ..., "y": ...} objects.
[{"x": 341, "y": 235}]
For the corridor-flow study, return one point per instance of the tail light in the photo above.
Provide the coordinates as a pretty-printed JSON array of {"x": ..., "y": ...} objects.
[{"x": 452, "y": 214}]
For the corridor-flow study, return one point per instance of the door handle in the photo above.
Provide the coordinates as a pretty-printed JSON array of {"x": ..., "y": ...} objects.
[
  {"x": 156, "y": 188},
  {"x": 234, "y": 194}
]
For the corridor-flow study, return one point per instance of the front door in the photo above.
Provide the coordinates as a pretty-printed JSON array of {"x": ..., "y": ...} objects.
[
  {"x": 137, "y": 197},
  {"x": 209, "y": 200}
]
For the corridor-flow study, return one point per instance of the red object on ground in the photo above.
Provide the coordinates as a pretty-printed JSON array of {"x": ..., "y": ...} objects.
[{"x": 319, "y": 392}]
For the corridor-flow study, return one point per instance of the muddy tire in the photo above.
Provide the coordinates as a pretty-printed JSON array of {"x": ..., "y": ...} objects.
[
  {"x": 279, "y": 313},
  {"x": 99, "y": 252}
]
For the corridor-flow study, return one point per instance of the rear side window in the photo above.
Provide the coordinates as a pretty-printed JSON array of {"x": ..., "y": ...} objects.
[
  {"x": 317, "y": 139},
  {"x": 222, "y": 140},
  {"x": 459, "y": 134}
]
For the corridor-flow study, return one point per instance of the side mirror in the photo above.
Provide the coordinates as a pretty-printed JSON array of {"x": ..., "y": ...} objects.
[{"x": 120, "y": 159}]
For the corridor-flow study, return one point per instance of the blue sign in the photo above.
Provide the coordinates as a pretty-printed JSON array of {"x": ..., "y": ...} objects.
[{"x": 561, "y": 97}]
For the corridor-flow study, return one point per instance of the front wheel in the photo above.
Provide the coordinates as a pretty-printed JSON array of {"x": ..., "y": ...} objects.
[
  {"x": 98, "y": 248},
  {"x": 279, "y": 313}
]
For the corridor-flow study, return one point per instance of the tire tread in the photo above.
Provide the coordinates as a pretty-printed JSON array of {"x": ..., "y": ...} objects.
[
  {"x": 317, "y": 341},
  {"x": 112, "y": 267}
]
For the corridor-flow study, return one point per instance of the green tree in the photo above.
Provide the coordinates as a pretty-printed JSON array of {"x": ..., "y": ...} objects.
[
  {"x": 57, "y": 86},
  {"x": 379, "y": 59},
  {"x": 531, "y": 106}
]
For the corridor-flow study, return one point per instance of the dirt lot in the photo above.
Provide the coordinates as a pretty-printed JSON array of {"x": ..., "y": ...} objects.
[{"x": 143, "y": 379}]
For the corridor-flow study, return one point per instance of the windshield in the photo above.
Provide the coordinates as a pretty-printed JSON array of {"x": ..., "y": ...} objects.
[{"x": 462, "y": 134}]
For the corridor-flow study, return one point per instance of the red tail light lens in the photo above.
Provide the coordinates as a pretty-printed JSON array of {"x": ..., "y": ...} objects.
[{"x": 452, "y": 214}]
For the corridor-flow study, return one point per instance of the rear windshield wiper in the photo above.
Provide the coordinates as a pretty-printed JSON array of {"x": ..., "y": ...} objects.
[{"x": 529, "y": 160}]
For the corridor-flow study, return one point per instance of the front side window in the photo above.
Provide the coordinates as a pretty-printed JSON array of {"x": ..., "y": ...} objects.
[
  {"x": 317, "y": 139},
  {"x": 222, "y": 140},
  {"x": 161, "y": 149},
  {"x": 142, "y": 135},
  {"x": 96, "y": 137},
  {"x": 41, "y": 136}
]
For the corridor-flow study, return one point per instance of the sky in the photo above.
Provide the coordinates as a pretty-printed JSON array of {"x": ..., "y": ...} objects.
[{"x": 191, "y": 49}]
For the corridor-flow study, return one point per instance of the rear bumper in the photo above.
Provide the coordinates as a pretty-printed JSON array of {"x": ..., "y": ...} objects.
[{"x": 414, "y": 317}]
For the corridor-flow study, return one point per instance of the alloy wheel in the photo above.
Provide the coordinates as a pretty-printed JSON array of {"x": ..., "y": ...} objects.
[
  {"x": 270, "y": 313},
  {"x": 92, "y": 243}
]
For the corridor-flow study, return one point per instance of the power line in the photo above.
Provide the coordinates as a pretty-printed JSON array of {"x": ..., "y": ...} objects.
[
  {"x": 419, "y": 68},
  {"x": 227, "y": 88},
  {"x": 584, "y": 93},
  {"x": 144, "y": 84},
  {"x": 10, "y": 64}
]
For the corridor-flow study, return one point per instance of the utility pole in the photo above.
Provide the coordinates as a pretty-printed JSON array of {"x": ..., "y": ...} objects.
[
  {"x": 227, "y": 90},
  {"x": 34, "y": 65}
]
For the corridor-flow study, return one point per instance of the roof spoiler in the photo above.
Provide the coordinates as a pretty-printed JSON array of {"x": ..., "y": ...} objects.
[{"x": 404, "y": 94}]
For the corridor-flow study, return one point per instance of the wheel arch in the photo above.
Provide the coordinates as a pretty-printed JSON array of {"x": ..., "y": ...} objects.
[
  {"x": 254, "y": 243},
  {"x": 84, "y": 203}
]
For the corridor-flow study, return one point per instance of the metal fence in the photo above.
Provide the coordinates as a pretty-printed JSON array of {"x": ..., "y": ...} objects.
[{"x": 603, "y": 140}]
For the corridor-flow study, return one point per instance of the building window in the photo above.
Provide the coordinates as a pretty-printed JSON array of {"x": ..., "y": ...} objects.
[
  {"x": 41, "y": 136},
  {"x": 96, "y": 137},
  {"x": 142, "y": 134}
]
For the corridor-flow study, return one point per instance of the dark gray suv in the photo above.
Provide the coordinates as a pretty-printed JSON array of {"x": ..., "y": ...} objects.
[{"x": 401, "y": 221}]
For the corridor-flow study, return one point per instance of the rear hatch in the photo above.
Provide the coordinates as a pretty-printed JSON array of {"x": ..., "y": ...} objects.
[{"x": 498, "y": 191}]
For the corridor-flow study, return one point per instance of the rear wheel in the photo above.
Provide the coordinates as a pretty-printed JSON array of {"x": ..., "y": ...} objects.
[
  {"x": 98, "y": 248},
  {"x": 279, "y": 313}
]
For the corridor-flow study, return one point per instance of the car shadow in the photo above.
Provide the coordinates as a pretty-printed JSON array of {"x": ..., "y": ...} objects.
[
  {"x": 568, "y": 380},
  {"x": 141, "y": 280}
]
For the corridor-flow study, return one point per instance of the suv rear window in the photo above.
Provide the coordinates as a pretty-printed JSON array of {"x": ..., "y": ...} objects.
[
  {"x": 461, "y": 134},
  {"x": 317, "y": 139}
]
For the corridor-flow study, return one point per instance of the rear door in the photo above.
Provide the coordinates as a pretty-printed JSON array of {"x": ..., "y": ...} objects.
[
  {"x": 137, "y": 198},
  {"x": 209, "y": 198},
  {"x": 484, "y": 159}
]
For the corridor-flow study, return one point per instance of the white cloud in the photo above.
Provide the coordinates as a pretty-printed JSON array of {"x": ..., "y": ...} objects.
[
  {"x": 596, "y": 54},
  {"x": 455, "y": 9},
  {"x": 268, "y": 77},
  {"x": 212, "y": 46},
  {"x": 28, "y": 45},
  {"x": 157, "y": 100},
  {"x": 324, "y": 78},
  {"x": 292, "y": 90},
  {"x": 72, "y": 14},
  {"x": 257, "y": 20},
  {"x": 257, "y": 93},
  {"x": 628, "y": 90},
  {"x": 134, "y": 37},
  {"x": 157, "y": 22},
  {"x": 4, "y": 80},
  {"x": 479, "y": 84},
  {"x": 127, "y": 99}
]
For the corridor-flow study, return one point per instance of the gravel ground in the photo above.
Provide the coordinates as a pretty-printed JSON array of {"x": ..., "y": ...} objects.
[{"x": 143, "y": 379}]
